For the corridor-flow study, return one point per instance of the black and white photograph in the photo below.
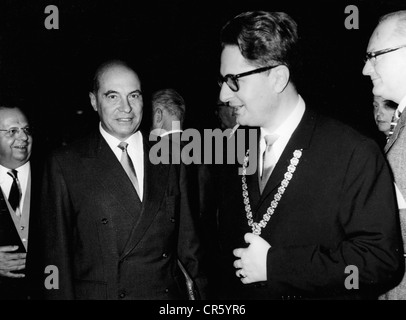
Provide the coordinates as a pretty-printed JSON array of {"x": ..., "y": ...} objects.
[{"x": 227, "y": 152}]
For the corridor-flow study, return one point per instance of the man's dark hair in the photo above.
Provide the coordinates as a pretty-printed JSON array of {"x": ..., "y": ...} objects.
[{"x": 264, "y": 38}]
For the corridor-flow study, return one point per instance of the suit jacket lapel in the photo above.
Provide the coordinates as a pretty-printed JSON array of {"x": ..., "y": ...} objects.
[
  {"x": 101, "y": 160},
  {"x": 155, "y": 184},
  {"x": 253, "y": 179},
  {"x": 300, "y": 139},
  {"x": 398, "y": 129}
]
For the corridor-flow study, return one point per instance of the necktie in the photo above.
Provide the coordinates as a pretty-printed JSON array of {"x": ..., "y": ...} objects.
[
  {"x": 395, "y": 118},
  {"x": 15, "y": 193},
  {"x": 268, "y": 160},
  {"x": 128, "y": 166}
]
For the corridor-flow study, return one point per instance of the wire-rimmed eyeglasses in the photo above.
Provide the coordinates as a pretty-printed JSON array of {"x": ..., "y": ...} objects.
[
  {"x": 14, "y": 131},
  {"x": 232, "y": 79},
  {"x": 371, "y": 56}
]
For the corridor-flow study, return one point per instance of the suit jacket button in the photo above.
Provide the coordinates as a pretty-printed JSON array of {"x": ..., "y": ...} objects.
[
  {"x": 165, "y": 255},
  {"x": 173, "y": 220},
  {"x": 104, "y": 221},
  {"x": 122, "y": 295},
  {"x": 166, "y": 290}
]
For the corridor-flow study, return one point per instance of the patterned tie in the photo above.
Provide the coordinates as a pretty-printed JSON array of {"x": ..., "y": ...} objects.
[
  {"x": 15, "y": 191},
  {"x": 268, "y": 160},
  {"x": 128, "y": 166},
  {"x": 395, "y": 119}
]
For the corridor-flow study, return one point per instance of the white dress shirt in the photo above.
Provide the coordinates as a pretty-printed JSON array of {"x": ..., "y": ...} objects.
[
  {"x": 135, "y": 150},
  {"x": 21, "y": 217},
  {"x": 284, "y": 131},
  {"x": 6, "y": 181}
]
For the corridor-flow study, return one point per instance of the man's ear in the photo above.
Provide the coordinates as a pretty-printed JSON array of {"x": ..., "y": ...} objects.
[
  {"x": 158, "y": 115},
  {"x": 93, "y": 100},
  {"x": 282, "y": 77}
]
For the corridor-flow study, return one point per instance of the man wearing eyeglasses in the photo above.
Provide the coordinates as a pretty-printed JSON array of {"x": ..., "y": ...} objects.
[
  {"x": 15, "y": 201},
  {"x": 386, "y": 65},
  {"x": 320, "y": 207}
]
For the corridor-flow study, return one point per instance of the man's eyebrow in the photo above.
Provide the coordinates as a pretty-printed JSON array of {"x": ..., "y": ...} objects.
[
  {"x": 135, "y": 91},
  {"x": 109, "y": 92}
]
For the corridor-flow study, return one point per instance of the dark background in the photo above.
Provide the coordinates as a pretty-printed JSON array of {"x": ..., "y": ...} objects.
[{"x": 172, "y": 43}]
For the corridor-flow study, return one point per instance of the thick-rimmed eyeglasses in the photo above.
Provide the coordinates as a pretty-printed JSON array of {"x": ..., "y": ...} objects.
[
  {"x": 232, "y": 79},
  {"x": 371, "y": 56},
  {"x": 12, "y": 132}
]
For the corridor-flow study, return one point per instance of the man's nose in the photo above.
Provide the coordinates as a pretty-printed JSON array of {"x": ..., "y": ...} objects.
[
  {"x": 368, "y": 68},
  {"x": 125, "y": 105},
  {"x": 225, "y": 93},
  {"x": 22, "y": 135}
]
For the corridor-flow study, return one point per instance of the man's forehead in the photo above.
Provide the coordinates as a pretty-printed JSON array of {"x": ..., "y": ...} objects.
[
  {"x": 11, "y": 115},
  {"x": 232, "y": 60},
  {"x": 118, "y": 73},
  {"x": 384, "y": 35}
]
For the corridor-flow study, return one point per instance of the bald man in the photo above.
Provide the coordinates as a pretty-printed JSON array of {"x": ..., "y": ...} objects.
[
  {"x": 115, "y": 225},
  {"x": 16, "y": 201},
  {"x": 386, "y": 65}
]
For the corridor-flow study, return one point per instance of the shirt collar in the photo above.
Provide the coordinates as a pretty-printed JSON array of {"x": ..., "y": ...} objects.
[
  {"x": 22, "y": 171},
  {"x": 134, "y": 140},
  {"x": 292, "y": 121}
]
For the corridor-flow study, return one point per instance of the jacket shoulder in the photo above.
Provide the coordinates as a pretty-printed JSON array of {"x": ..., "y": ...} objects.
[
  {"x": 81, "y": 146},
  {"x": 337, "y": 131}
]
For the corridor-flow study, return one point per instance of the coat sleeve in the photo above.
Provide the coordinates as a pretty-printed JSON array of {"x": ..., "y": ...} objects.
[
  {"x": 189, "y": 246},
  {"x": 371, "y": 243},
  {"x": 56, "y": 232}
]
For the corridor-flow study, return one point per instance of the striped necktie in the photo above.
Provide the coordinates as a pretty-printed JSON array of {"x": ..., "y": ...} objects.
[
  {"x": 129, "y": 167},
  {"x": 15, "y": 191}
]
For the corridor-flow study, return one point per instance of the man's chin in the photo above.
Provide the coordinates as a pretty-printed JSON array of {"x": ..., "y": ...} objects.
[
  {"x": 241, "y": 121},
  {"x": 384, "y": 129},
  {"x": 22, "y": 155},
  {"x": 377, "y": 91}
]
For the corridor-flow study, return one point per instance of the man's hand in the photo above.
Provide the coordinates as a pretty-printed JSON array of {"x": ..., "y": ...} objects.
[
  {"x": 11, "y": 262},
  {"x": 252, "y": 263}
]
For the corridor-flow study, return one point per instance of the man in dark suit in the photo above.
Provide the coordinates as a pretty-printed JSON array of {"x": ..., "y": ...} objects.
[
  {"x": 116, "y": 230},
  {"x": 317, "y": 219},
  {"x": 16, "y": 195}
]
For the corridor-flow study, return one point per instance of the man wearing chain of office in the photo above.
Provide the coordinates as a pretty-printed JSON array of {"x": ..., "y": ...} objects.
[{"x": 322, "y": 197}]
